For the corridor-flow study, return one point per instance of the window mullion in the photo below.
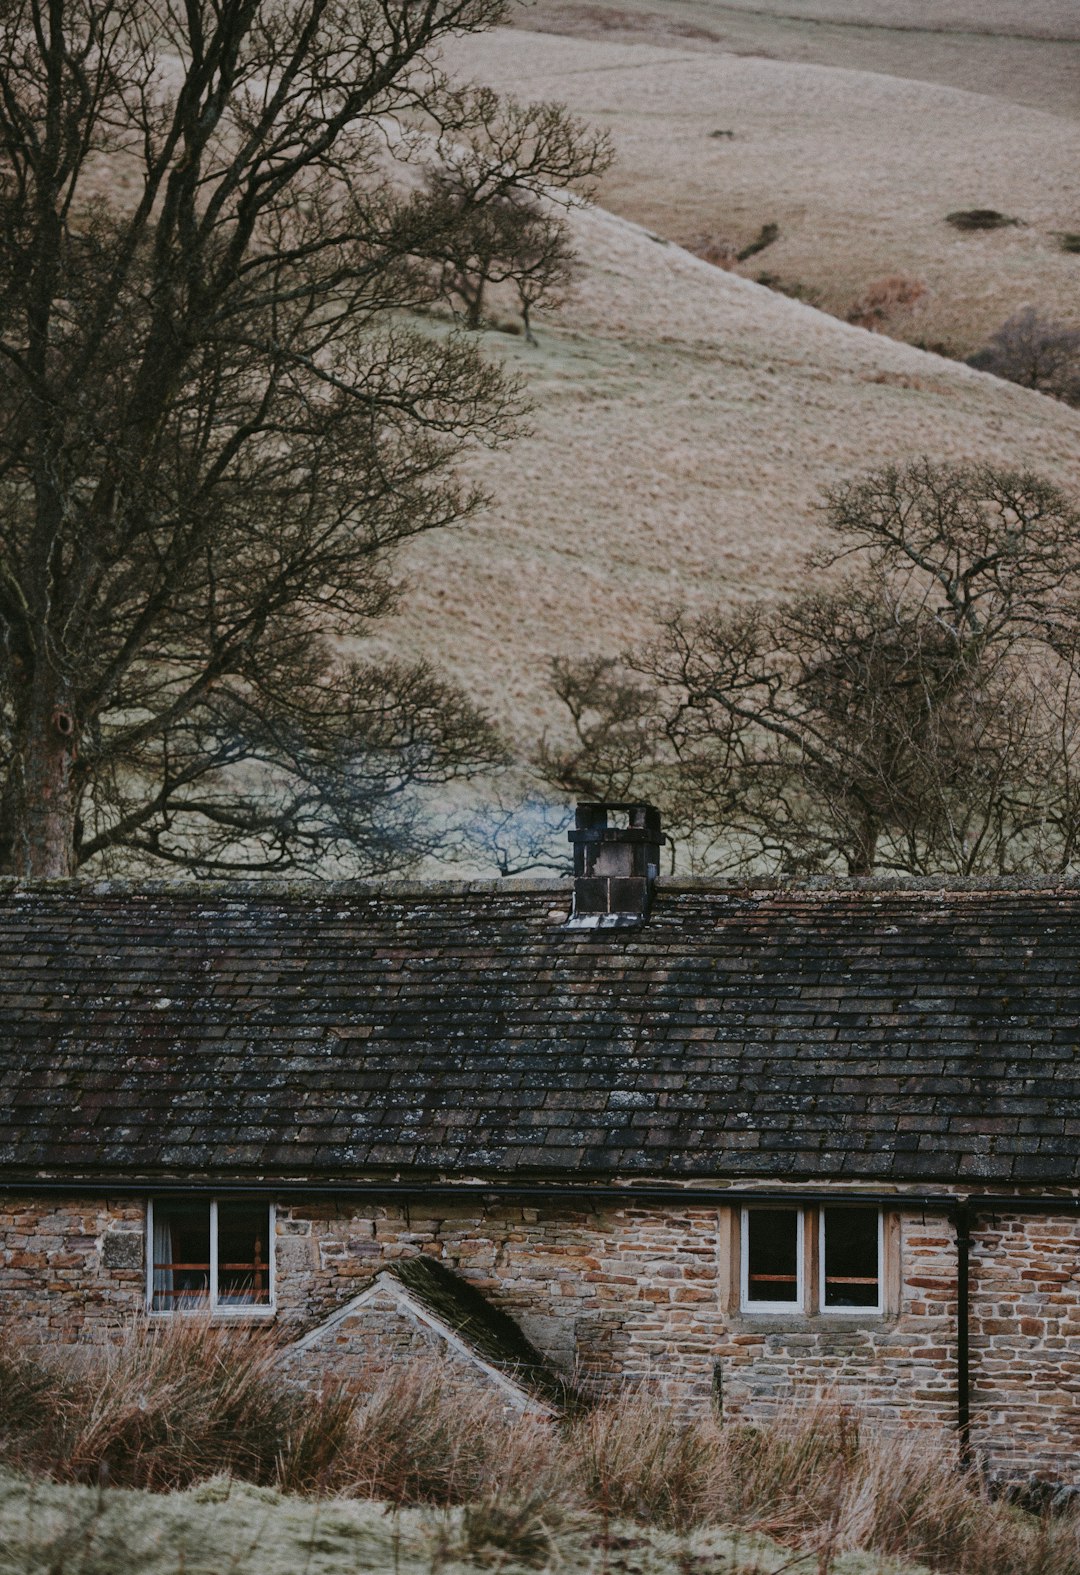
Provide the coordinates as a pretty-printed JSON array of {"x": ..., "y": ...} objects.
[
  {"x": 271, "y": 1254},
  {"x": 150, "y": 1254},
  {"x": 213, "y": 1255}
]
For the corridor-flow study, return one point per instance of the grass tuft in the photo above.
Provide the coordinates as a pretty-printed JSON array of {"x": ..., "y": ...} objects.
[
  {"x": 635, "y": 1458},
  {"x": 421, "y": 1436}
]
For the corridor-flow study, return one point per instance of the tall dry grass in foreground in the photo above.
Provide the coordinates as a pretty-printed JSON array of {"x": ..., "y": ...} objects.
[{"x": 165, "y": 1409}]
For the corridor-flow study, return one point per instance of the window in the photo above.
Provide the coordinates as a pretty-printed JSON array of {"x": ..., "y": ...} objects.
[
  {"x": 772, "y": 1260},
  {"x": 828, "y": 1259},
  {"x": 210, "y": 1256},
  {"x": 850, "y": 1254}
]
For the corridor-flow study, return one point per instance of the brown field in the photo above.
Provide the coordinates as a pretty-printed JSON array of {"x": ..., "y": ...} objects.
[
  {"x": 686, "y": 420},
  {"x": 1021, "y": 51},
  {"x": 858, "y": 171}
]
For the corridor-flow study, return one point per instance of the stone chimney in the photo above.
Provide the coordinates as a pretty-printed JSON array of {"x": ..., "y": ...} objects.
[{"x": 616, "y": 862}]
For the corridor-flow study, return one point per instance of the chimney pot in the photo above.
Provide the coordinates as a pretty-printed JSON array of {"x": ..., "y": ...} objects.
[{"x": 616, "y": 863}]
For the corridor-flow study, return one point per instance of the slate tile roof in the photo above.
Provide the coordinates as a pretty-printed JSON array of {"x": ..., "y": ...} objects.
[{"x": 345, "y": 1032}]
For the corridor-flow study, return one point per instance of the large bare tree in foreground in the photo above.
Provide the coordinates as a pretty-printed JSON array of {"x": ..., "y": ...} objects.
[
  {"x": 222, "y": 407},
  {"x": 921, "y": 714}
]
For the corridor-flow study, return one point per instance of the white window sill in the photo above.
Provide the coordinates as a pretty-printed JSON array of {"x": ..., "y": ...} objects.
[
  {"x": 218, "y": 1315},
  {"x": 798, "y": 1318},
  {"x": 850, "y": 1312}
]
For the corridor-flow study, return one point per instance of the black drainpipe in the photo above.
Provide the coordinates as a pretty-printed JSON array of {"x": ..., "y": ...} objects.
[{"x": 963, "y": 1330}]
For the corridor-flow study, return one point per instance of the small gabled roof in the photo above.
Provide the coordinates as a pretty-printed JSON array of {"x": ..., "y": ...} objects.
[
  {"x": 462, "y": 1316},
  {"x": 874, "y": 1033},
  {"x": 488, "y": 1331}
]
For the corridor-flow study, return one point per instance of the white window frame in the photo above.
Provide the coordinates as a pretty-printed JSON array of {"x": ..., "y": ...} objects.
[
  {"x": 265, "y": 1309},
  {"x": 788, "y": 1309},
  {"x": 851, "y": 1312}
]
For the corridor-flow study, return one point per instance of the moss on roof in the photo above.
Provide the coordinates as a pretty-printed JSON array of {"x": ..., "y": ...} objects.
[{"x": 486, "y": 1329}]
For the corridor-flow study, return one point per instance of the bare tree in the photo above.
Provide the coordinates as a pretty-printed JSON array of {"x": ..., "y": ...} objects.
[
  {"x": 499, "y": 192},
  {"x": 918, "y": 716},
  {"x": 1035, "y": 351},
  {"x": 610, "y": 735},
  {"x": 522, "y": 835},
  {"x": 219, "y": 415}
]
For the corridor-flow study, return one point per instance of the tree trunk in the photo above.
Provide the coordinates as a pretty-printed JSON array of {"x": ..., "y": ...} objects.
[
  {"x": 474, "y": 305},
  {"x": 37, "y": 815},
  {"x": 863, "y": 856}
]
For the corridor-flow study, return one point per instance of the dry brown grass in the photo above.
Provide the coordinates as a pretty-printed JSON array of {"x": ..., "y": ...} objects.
[
  {"x": 169, "y": 1405},
  {"x": 686, "y": 423},
  {"x": 858, "y": 170},
  {"x": 1021, "y": 51},
  {"x": 165, "y": 1409},
  {"x": 812, "y": 1479},
  {"x": 420, "y": 1437},
  {"x": 883, "y": 305}
]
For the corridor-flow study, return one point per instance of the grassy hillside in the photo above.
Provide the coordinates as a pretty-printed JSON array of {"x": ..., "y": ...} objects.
[
  {"x": 685, "y": 423},
  {"x": 858, "y": 171},
  {"x": 1021, "y": 51}
]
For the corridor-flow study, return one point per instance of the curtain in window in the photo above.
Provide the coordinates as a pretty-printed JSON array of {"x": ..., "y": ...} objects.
[{"x": 164, "y": 1279}]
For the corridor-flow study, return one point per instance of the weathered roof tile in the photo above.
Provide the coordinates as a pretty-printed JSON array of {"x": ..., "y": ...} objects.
[{"x": 883, "y": 1034}]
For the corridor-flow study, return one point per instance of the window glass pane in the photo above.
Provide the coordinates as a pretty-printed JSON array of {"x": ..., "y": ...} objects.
[
  {"x": 852, "y": 1271},
  {"x": 181, "y": 1249},
  {"x": 772, "y": 1249},
  {"x": 243, "y": 1254}
]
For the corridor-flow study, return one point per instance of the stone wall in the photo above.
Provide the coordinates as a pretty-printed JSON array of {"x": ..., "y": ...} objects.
[
  {"x": 642, "y": 1293},
  {"x": 70, "y": 1270},
  {"x": 1025, "y": 1339},
  {"x": 898, "y": 1369}
]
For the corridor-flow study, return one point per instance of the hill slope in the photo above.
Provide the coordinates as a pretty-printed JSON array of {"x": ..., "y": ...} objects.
[
  {"x": 858, "y": 171},
  {"x": 1021, "y": 51},
  {"x": 685, "y": 422}
]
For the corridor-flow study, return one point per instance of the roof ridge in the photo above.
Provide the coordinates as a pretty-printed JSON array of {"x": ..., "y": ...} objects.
[
  {"x": 156, "y": 886},
  {"x": 525, "y": 885}
]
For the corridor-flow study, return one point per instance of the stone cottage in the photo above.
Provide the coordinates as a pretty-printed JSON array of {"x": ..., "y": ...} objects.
[{"x": 741, "y": 1141}]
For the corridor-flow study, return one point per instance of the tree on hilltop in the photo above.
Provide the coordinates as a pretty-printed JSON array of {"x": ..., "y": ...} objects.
[
  {"x": 221, "y": 411},
  {"x": 499, "y": 227}
]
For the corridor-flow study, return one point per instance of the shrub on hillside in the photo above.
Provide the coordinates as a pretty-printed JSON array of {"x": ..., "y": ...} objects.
[
  {"x": 884, "y": 301},
  {"x": 1035, "y": 351},
  {"x": 715, "y": 249},
  {"x": 764, "y": 238},
  {"x": 979, "y": 219}
]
